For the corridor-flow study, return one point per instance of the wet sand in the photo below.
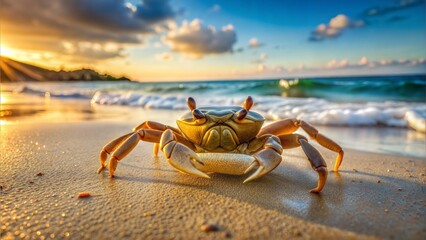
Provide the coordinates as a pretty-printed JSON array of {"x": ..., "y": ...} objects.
[{"x": 374, "y": 195}]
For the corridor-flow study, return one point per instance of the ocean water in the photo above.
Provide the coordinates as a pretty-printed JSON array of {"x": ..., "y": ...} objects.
[
  {"x": 396, "y": 101},
  {"x": 379, "y": 114}
]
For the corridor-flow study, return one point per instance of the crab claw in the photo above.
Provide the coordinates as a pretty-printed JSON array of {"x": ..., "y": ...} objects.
[
  {"x": 267, "y": 159},
  {"x": 180, "y": 156}
]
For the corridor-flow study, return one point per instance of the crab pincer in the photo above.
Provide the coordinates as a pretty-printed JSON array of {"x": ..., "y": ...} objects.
[
  {"x": 268, "y": 158},
  {"x": 180, "y": 156}
]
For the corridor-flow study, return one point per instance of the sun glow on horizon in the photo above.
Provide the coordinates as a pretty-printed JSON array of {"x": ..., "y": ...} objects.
[
  {"x": 5, "y": 51},
  {"x": 3, "y": 99}
]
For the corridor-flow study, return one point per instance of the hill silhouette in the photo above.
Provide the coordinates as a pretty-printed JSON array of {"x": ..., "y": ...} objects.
[{"x": 15, "y": 71}]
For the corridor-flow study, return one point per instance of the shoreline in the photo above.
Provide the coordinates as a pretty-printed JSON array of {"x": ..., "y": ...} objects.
[
  {"x": 21, "y": 108},
  {"x": 148, "y": 198}
]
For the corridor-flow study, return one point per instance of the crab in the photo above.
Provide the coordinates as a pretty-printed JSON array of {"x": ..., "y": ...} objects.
[{"x": 227, "y": 140}]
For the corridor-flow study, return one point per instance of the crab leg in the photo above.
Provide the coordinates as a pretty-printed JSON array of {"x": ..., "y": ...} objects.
[
  {"x": 110, "y": 147},
  {"x": 127, "y": 146},
  {"x": 316, "y": 160},
  {"x": 114, "y": 144},
  {"x": 288, "y": 126},
  {"x": 317, "y": 163},
  {"x": 324, "y": 141},
  {"x": 155, "y": 126},
  {"x": 267, "y": 157},
  {"x": 179, "y": 155}
]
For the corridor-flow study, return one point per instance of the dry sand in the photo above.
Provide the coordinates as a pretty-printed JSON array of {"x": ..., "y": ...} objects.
[{"x": 374, "y": 195}]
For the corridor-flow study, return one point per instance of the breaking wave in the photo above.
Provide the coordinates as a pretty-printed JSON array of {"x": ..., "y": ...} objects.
[
  {"x": 314, "y": 110},
  {"x": 397, "y": 101}
]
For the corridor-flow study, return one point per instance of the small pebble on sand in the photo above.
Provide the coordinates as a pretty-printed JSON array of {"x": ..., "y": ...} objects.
[
  {"x": 39, "y": 174},
  {"x": 355, "y": 170},
  {"x": 400, "y": 189},
  {"x": 378, "y": 181},
  {"x": 209, "y": 227},
  {"x": 83, "y": 195}
]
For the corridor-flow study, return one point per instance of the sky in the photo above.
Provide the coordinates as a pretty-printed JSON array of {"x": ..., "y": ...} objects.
[{"x": 170, "y": 40}]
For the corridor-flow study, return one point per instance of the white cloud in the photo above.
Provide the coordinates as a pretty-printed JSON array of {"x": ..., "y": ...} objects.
[
  {"x": 342, "y": 65},
  {"x": 332, "y": 32},
  {"x": 363, "y": 61},
  {"x": 337, "y": 64},
  {"x": 334, "y": 28},
  {"x": 321, "y": 28},
  {"x": 195, "y": 39},
  {"x": 130, "y": 6},
  {"x": 413, "y": 62},
  {"x": 339, "y": 22},
  {"x": 254, "y": 43}
]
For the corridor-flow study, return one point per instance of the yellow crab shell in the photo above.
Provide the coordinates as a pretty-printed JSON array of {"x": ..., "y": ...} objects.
[{"x": 220, "y": 130}]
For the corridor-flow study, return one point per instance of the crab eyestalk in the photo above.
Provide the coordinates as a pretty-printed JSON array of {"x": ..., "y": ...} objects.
[
  {"x": 248, "y": 103},
  {"x": 196, "y": 113}
]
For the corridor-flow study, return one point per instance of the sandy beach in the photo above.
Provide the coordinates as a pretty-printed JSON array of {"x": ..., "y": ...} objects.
[
  {"x": 78, "y": 77},
  {"x": 45, "y": 166}
]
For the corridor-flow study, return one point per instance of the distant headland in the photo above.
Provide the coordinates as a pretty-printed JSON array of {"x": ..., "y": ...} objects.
[{"x": 14, "y": 71}]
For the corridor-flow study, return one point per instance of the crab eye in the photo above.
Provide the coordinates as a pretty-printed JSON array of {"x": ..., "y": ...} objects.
[
  {"x": 197, "y": 114},
  {"x": 248, "y": 103},
  {"x": 191, "y": 103},
  {"x": 241, "y": 114}
]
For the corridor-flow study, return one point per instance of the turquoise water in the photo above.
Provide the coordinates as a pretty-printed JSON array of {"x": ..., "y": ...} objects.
[{"x": 407, "y": 88}]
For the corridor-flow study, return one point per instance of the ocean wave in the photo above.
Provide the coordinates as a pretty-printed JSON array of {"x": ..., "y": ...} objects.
[
  {"x": 63, "y": 94},
  {"x": 313, "y": 110},
  {"x": 396, "y": 88}
]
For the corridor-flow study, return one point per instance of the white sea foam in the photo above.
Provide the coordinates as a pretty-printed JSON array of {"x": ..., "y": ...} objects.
[{"x": 313, "y": 110}]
